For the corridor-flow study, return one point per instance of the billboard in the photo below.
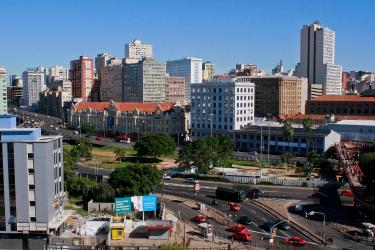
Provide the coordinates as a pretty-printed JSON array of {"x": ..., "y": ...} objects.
[
  {"x": 123, "y": 205},
  {"x": 135, "y": 204}
]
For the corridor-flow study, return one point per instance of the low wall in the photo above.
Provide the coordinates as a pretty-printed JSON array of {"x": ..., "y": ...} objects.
[{"x": 100, "y": 206}]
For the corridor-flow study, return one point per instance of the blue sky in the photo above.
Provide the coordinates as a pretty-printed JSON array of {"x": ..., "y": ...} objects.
[{"x": 226, "y": 32}]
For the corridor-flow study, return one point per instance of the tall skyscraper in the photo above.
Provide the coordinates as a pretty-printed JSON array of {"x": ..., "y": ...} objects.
[
  {"x": 190, "y": 68},
  {"x": 82, "y": 77},
  {"x": 208, "y": 71},
  {"x": 144, "y": 81},
  {"x": 3, "y": 91},
  {"x": 56, "y": 73},
  {"x": 111, "y": 83},
  {"x": 33, "y": 84},
  {"x": 104, "y": 60},
  {"x": 31, "y": 180},
  {"x": 138, "y": 50},
  {"x": 317, "y": 58}
]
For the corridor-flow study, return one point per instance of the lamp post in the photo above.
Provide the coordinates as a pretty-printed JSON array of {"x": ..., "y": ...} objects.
[
  {"x": 324, "y": 222},
  {"x": 272, "y": 228}
]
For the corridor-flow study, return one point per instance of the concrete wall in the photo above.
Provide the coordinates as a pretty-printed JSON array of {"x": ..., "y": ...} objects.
[
  {"x": 22, "y": 185},
  {"x": 100, "y": 206}
]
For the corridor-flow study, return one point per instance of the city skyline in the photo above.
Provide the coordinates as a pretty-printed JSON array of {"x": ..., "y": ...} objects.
[{"x": 204, "y": 33}]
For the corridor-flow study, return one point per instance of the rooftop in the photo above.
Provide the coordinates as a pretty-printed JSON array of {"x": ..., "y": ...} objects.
[
  {"x": 125, "y": 106},
  {"x": 357, "y": 122},
  {"x": 343, "y": 98},
  {"x": 323, "y": 117}
]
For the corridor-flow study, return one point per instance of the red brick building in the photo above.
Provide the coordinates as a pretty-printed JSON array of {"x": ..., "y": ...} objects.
[
  {"x": 82, "y": 77},
  {"x": 347, "y": 105},
  {"x": 345, "y": 81}
]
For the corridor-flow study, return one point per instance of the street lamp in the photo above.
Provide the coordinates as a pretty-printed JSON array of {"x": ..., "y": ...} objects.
[
  {"x": 273, "y": 227},
  {"x": 324, "y": 222}
]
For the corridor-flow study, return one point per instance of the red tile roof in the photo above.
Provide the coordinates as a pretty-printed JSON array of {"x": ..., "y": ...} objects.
[
  {"x": 323, "y": 117},
  {"x": 125, "y": 106},
  {"x": 343, "y": 98}
]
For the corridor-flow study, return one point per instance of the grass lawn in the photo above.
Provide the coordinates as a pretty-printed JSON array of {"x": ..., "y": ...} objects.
[{"x": 244, "y": 162}]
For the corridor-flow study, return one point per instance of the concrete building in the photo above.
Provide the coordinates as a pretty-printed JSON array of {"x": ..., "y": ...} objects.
[
  {"x": 279, "y": 95},
  {"x": 279, "y": 69},
  {"x": 111, "y": 83},
  {"x": 267, "y": 136},
  {"x": 3, "y": 91},
  {"x": 246, "y": 70},
  {"x": 190, "y": 68},
  {"x": 53, "y": 101},
  {"x": 208, "y": 71},
  {"x": 15, "y": 80},
  {"x": 348, "y": 105},
  {"x": 175, "y": 90},
  {"x": 14, "y": 95},
  {"x": 33, "y": 84},
  {"x": 130, "y": 118},
  {"x": 138, "y": 50},
  {"x": 221, "y": 106},
  {"x": 144, "y": 81},
  {"x": 355, "y": 130},
  {"x": 104, "y": 60},
  {"x": 31, "y": 180},
  {"x": 82, "y": 77},
  {"x": 56, "y": 73},
  {"x": 315, "y": 90},
  {"x": 317, "y": 59}
]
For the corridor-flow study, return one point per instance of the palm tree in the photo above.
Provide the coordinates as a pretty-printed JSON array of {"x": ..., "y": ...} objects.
[
  {"x": 307, "y": 125},
  {"x": 288, "y": 132}
]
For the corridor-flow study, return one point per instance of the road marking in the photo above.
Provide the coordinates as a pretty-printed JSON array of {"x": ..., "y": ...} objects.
[{"x": 186, "y": 185}]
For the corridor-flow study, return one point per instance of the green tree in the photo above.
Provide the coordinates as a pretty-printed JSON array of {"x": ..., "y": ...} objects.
[
  {"x": 315, "y": 159},
  {"x": 88, "y": 129},
  {"x": 307, "y": 126},
  {"x": 288, "y": 132},
  {"x": 80, "y": 186},
  {"x": 367, "y": 165},
  {"x": 155, "y": 145},
  {"x": 135, "y": 180},
  {"x": 102, "y": 192},
  {"x": 85, "y": 148}
]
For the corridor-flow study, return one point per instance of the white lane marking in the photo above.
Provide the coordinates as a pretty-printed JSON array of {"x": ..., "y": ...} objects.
[
  {"x": 186, "y": 185},
  {"x": 284, "y": 233},
  {"x": 264, "y": 219}
]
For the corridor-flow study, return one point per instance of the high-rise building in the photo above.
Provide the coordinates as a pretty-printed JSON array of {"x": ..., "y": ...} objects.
[
  {"x": 219, "y": 107},
  {"x": 208, "y": 71},
  {"x": 82, "y": 77},
  {"x": 246, "y": 70},
  {"x": 33, "y": 84},
  {"x": 3, "y": 91},
  {"x": 14, "y": 95},
  {"x": 279, "y": 95},
  {"x": 138, "y": 50},
  {"x": 111, "y": 83},
  {"x": 15, "y": 80},
  {"x": 190, "y": 68},
  {"x": 279, "y": 69},
  {"x": 56, "y": 73},
  {"x": 31, "y": 180},
  {"x": 104, "y": 60},
  {"x": 317, "y": 59},
  {"x": 175, "y": 90},
  {"x": 144, "y": 81}
]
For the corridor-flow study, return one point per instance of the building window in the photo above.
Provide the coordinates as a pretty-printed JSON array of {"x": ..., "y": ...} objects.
[
  {"x": 32, "y": 203},
  {"x": 31, "y": 187},
  {"x": 32, "y": 219},
  {"x": 30, "y": 156},
  {"x": 31, "y": 171}
]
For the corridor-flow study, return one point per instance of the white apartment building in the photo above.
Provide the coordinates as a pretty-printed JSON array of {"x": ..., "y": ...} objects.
[
  {"x": 138, "y": 50},
  {"x": 218, "y": 107},
  {"x": 190, "y": 68},
  {"x": 33, "y": 84},
  {"x": 31, "y": 180},
  {"x": 317, "y": 59},
  {"x": 3, "y": 91}
]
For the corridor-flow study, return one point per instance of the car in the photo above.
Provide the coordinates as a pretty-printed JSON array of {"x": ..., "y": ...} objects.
[
  {"x": 282, "y": 225},
  {"x": 192, "y": 181},
  {"x": 200, "y": 218},
  {"x": 76, "y": 132},
  {"x": 295, "y": 241},
  {"x": 237, "y": 229},
  {"x": 347, "y": 192},
  {"x": 253, "y": 152},
  {"x": 242, "y": 237},
  {"x": 255, "y": 193},
  {"x": 234, "y": 207},
  {"x": 244, "y": 220},
  {"x": 99, "y": 138},
  {"x": 268, "y": 225}
]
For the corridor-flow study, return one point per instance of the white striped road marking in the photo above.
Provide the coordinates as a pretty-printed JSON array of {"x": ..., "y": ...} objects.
[{"x": 183, "y": 185}]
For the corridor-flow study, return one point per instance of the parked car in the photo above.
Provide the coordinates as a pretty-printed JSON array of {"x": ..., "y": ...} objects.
[
  {"x": 242, "y": 237},
  {"x": 368, "y": 229},
  {"x": 200, "y": 218},
  {"x": 166, "y": 177},
  {"x": 244, "y": 220},
  {"x": 192, "y": 180},
  {"x": 237, "y": 229},
  {"x": 295, "y": 241},
  {"x": 255, "y": 193},
  {"x": 234, "y": 207},
  {"x": 99, "y": 138}
]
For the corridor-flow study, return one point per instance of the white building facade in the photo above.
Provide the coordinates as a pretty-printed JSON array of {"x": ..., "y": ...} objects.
[
  {"x": 190, "y": 68},
  {"x": 317, "y": 59},
  {"x": 138, "y": 50},
  {"x": 33, "y": 84},
  {"x": 218, "y": 107}
]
